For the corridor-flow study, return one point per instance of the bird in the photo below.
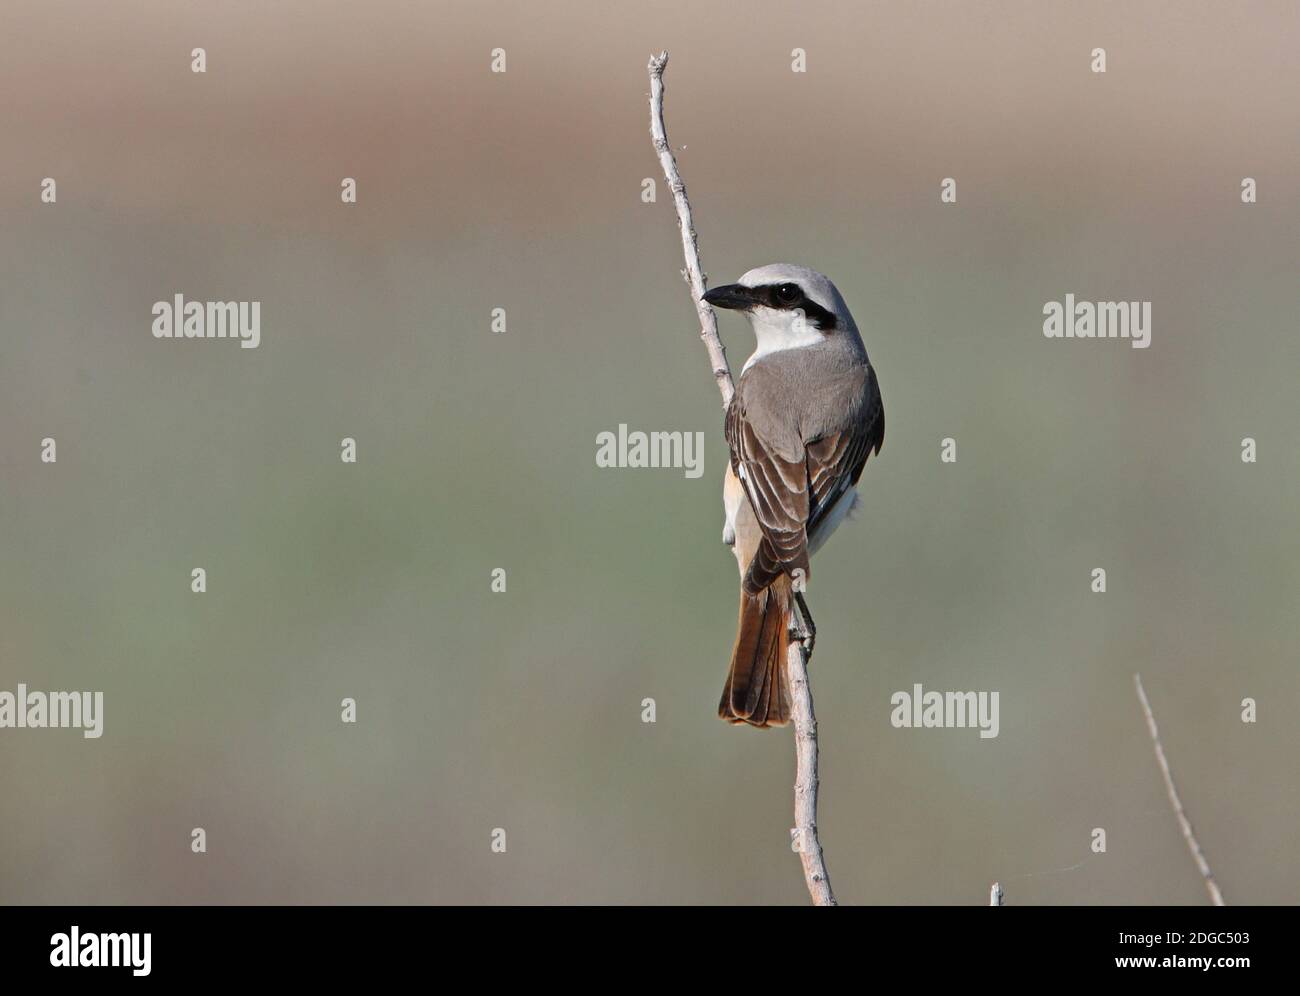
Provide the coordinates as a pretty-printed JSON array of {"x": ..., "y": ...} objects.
[{"x": 805, "y": 416}]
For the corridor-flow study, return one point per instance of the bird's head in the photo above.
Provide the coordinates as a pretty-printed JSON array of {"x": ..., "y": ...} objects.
[{"x": 788, "y": 305}]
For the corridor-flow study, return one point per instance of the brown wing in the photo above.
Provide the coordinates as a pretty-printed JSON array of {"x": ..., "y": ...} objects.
[
  {"x": 835, "y": 461},
  {"x": 778, "y": 494},
  {"x": 790, "y": 497}
]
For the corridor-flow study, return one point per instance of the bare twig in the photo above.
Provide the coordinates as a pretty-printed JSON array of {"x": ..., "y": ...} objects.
[
  {"x": 804, "y": 835},
  {"x": 995, "y": 894},
  {"x": 1211, "y": 886},
  {"x": 805, "y": 780},
  {"x": 694, "y": 273}
]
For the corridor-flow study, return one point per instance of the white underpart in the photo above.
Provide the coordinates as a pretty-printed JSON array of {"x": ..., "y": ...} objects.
[
  {"x": 731, "y": 499},
  {"x": 838, "y": 513},
  {"x": 841, "y": 510},
  {"x": 776, "y": 330}
]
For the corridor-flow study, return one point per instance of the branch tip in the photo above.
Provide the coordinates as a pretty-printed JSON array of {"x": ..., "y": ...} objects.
[{"x": 1184, "y": 824}]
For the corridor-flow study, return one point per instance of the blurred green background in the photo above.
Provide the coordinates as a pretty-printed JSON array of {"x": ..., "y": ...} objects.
[{"x": 476, "y": 451}]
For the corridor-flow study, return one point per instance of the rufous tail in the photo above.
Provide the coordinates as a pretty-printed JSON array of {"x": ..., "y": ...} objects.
[{"x": 757, "y": 691}]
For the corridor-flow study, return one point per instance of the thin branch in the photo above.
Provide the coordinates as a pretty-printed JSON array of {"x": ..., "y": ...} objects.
[
  {"x": 805, "y": 779},
  {"x": 694, "y": 273},
  {"x": 804, "y": 834},
  {"x": 1211, "y": 886}
]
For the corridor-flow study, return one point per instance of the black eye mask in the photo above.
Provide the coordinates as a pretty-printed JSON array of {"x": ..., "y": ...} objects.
[
  {"x": 790, "y": 297},
  {"x": 782, "y": 297}
]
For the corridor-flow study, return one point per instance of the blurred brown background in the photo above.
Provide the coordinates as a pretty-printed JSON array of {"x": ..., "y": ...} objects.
[{"x": 522, "y": 190}]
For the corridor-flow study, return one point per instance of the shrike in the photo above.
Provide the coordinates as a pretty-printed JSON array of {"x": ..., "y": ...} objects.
[{"x": 805, "y": 416}]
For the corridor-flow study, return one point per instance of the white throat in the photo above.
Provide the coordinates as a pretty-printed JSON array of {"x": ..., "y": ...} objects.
[{"x": 775, "y": 331}]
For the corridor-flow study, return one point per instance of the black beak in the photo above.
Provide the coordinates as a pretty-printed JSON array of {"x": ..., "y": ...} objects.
[{"x": 731, "y": 296}]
